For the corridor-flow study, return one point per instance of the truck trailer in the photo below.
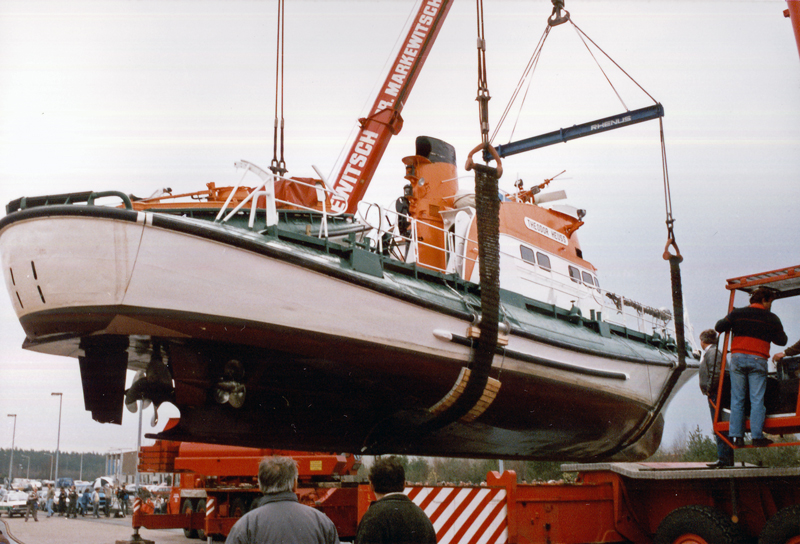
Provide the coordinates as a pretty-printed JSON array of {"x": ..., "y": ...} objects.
[{"x": 637, "y": 503}]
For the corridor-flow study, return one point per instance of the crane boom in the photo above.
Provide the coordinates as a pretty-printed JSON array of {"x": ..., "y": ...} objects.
[{"x": 384, "y": 119}]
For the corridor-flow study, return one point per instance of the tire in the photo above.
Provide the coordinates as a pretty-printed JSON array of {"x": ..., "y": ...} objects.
[
  {"x": 783, "y": 527},
  {"x": 201, "y": 507},
  {"x": 188, "y": 508},
  {"x": 697, "y": 524}
]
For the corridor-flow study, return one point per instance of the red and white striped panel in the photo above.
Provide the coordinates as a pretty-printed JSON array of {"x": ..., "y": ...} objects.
[
  {"x": 464, "y": 515},
  {"x": 211, "y": 507}
]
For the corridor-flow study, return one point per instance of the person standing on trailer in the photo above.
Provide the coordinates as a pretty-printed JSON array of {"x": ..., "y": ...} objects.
[
  {"x": 393, "y": 518},
  {"x": 754, "y": 327},
  {"x": 280, "y": 518},
  {"x": 710, "y": 365}
]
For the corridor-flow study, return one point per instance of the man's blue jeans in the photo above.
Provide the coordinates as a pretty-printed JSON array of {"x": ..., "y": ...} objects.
[{"x": 748, "y": 372}]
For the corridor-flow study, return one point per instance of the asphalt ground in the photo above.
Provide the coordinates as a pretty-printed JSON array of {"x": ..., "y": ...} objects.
[{"x": 88, "y": 530}]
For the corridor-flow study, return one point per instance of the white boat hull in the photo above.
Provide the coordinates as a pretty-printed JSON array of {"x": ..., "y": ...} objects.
[{"x": 299, "y": 320}]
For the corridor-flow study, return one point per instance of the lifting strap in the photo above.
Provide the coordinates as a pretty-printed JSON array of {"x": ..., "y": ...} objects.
[
  {"x": 472, "y": 394},
  {"x": 473, "y": 389},
  {"x": 468, "y": 397},
  {"x": 674, "y": 259},
  {"x": 677, "y": 309}
]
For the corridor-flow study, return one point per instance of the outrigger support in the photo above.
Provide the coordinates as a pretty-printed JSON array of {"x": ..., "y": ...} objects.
[{"x": 579, "y": 131}]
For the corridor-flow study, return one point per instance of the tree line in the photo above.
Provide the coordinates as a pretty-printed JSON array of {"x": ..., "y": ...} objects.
[
  {"x": 691, "y": 446},
  {"x": 43, "y": 464}
]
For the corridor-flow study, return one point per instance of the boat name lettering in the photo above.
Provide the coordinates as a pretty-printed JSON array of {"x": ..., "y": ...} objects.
[
  {"x": 612, "y": 122},
  {"x": 411, "y": 50},
  {"x": 352, "y": 171},
  {"x": 544, "y": 230}
]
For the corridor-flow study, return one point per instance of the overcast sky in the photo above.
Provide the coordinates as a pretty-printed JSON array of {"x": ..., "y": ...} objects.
[{"x": 139, "y": 95}]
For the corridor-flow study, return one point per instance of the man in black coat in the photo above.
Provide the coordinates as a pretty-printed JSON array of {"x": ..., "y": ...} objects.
[{"x": 393, "y": 518}]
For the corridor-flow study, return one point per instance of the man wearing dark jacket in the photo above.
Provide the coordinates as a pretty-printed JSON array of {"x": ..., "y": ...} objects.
[
  {"x": 710, "y": 365},
  {"x": 280, "y": 518},
  {"x": 754, "y": 328},
  {"x": 393, "y": 518}
]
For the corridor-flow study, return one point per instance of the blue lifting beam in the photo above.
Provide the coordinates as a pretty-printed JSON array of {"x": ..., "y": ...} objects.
[{"x": 579, "y": 131}]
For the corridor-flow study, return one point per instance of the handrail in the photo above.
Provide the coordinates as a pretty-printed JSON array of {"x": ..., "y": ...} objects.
[
  {"x": 267, "y": 190},
  {"x": 627, "y": 311},
  {"x": 644, "y": 321},
  {"x": 88, "y": 197}
]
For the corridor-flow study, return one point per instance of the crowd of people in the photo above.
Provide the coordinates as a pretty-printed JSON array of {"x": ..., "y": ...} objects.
[{"x": 70, "y": 502}]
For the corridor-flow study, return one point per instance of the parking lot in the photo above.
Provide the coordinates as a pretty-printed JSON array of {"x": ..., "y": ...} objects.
[{"x": 88, "y": 530}]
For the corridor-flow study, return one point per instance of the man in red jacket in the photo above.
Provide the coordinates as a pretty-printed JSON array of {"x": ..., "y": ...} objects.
[{"x": 754, "y": 328}]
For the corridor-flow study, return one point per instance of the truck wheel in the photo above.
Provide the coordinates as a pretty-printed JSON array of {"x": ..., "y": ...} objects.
[
  {"x": 187, "y": 511},
  {"x": 697, "y": 524},
  {"x": 201, "y": 507},
  {"x": 783, "y": 527}
]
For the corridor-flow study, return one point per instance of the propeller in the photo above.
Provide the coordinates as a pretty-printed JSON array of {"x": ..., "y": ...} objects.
[
  {"x": 133, "y": 406},
  {"x": 231, "y": 389},
  {"x": 153, "y": 385}
]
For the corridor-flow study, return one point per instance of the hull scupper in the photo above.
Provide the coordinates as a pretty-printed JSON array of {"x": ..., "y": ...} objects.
[{"x": 286, "y": 326}]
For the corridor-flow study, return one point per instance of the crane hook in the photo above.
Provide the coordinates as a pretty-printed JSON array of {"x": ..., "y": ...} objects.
[{"x": 557, "y": 18}]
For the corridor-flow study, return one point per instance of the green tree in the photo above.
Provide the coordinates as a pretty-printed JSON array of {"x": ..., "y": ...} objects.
[
  {"x": 541, "y": 471},
  {"x": 784, "y": 456},
  {"x": 700, "y": 447}
]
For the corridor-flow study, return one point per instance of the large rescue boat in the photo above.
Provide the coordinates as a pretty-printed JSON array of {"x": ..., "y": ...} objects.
[{"x": 271, "y": 316}]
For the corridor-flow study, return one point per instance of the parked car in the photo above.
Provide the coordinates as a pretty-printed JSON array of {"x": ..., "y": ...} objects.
[{"x": 15, "y": 503}]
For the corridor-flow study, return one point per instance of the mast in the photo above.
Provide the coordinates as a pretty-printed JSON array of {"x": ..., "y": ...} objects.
[{"x": 384, "y": 119}]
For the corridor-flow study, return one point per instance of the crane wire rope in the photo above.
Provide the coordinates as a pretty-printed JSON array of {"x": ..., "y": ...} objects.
[
  {"x": 527, "y": 74},
  {"x": 278, "y": 165},
  {"x": 483, "y": 85},
  {"x": 529, "y": 69}
]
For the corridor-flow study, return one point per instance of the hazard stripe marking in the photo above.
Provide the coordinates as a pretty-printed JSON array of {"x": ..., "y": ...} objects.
[{"x": 467, "y": 515}]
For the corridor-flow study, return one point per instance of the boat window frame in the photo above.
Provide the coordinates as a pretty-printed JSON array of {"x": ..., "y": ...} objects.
[
  {"x": 575, "y": 274},
  {"x": 522, "y": 253},
  {"x": 541, "y": 259}
]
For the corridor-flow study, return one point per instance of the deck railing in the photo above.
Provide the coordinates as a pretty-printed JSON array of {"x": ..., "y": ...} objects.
[{"x": 383, "y": 226}]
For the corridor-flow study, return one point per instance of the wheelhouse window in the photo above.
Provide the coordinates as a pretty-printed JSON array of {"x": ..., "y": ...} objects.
[
  {"x": 587, "y": 279},
  {"x": 574, "y": 274},
  {"x": 527, "y": 254},
  {"x": 544, "y": 260}
]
